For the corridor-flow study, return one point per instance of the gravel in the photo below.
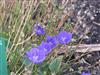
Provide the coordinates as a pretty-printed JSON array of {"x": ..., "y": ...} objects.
[{"x": 87, "y": 13}]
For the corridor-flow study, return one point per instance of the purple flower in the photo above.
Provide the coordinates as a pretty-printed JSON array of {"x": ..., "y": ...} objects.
[
  {"x": 85, "y": 73},
  {"x": 35, "y": 55},
  {"x": 44, "y": 46},
  {"x": 39, "y": 29},
  {"x": 64, "y": 37},
  {"x": 52, "y": 41}
]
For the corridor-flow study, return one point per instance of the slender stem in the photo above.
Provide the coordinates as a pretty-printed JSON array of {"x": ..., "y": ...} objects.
[{"x": 25, "y": 40}]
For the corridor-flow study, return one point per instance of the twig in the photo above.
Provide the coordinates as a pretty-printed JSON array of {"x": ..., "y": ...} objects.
[
  {"x": 86, "y": 48},
  {"x": 96, "y": 23},
  {"x": 25, "y": 40}
]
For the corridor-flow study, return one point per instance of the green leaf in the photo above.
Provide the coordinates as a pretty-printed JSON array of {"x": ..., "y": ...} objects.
[
  {"x": 3, "y": 62},
  {"x": 45, "y": 69},
  {"x": 4, "y": 36},
  {"x": 55, "y": 64}
]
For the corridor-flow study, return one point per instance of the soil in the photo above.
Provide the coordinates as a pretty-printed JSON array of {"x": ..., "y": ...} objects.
[{"x": 89, "y": 10}]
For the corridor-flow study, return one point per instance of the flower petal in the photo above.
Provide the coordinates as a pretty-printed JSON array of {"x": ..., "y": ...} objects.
[
  {"x": 39, "y": 29},
  {"x": 64, "y": 37},
  {"x": 35, "y": 55}
]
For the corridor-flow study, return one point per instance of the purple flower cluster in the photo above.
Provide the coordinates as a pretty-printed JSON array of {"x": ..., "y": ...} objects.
[
  {"x": 45, "y": 47},
  {"x": 64, "y": 37},
  {"x": 38, "y": 54},
  {"x": 39, "y": 29},
  {"x": 85, "y": 73},
  {"x": 35, "y": 55}
]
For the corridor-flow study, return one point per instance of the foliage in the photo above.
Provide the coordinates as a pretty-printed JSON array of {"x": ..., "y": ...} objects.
[{"x": 19, "y": 18}]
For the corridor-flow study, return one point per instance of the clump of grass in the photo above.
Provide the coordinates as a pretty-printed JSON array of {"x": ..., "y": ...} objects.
[{"x": 17, "y": 20}]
